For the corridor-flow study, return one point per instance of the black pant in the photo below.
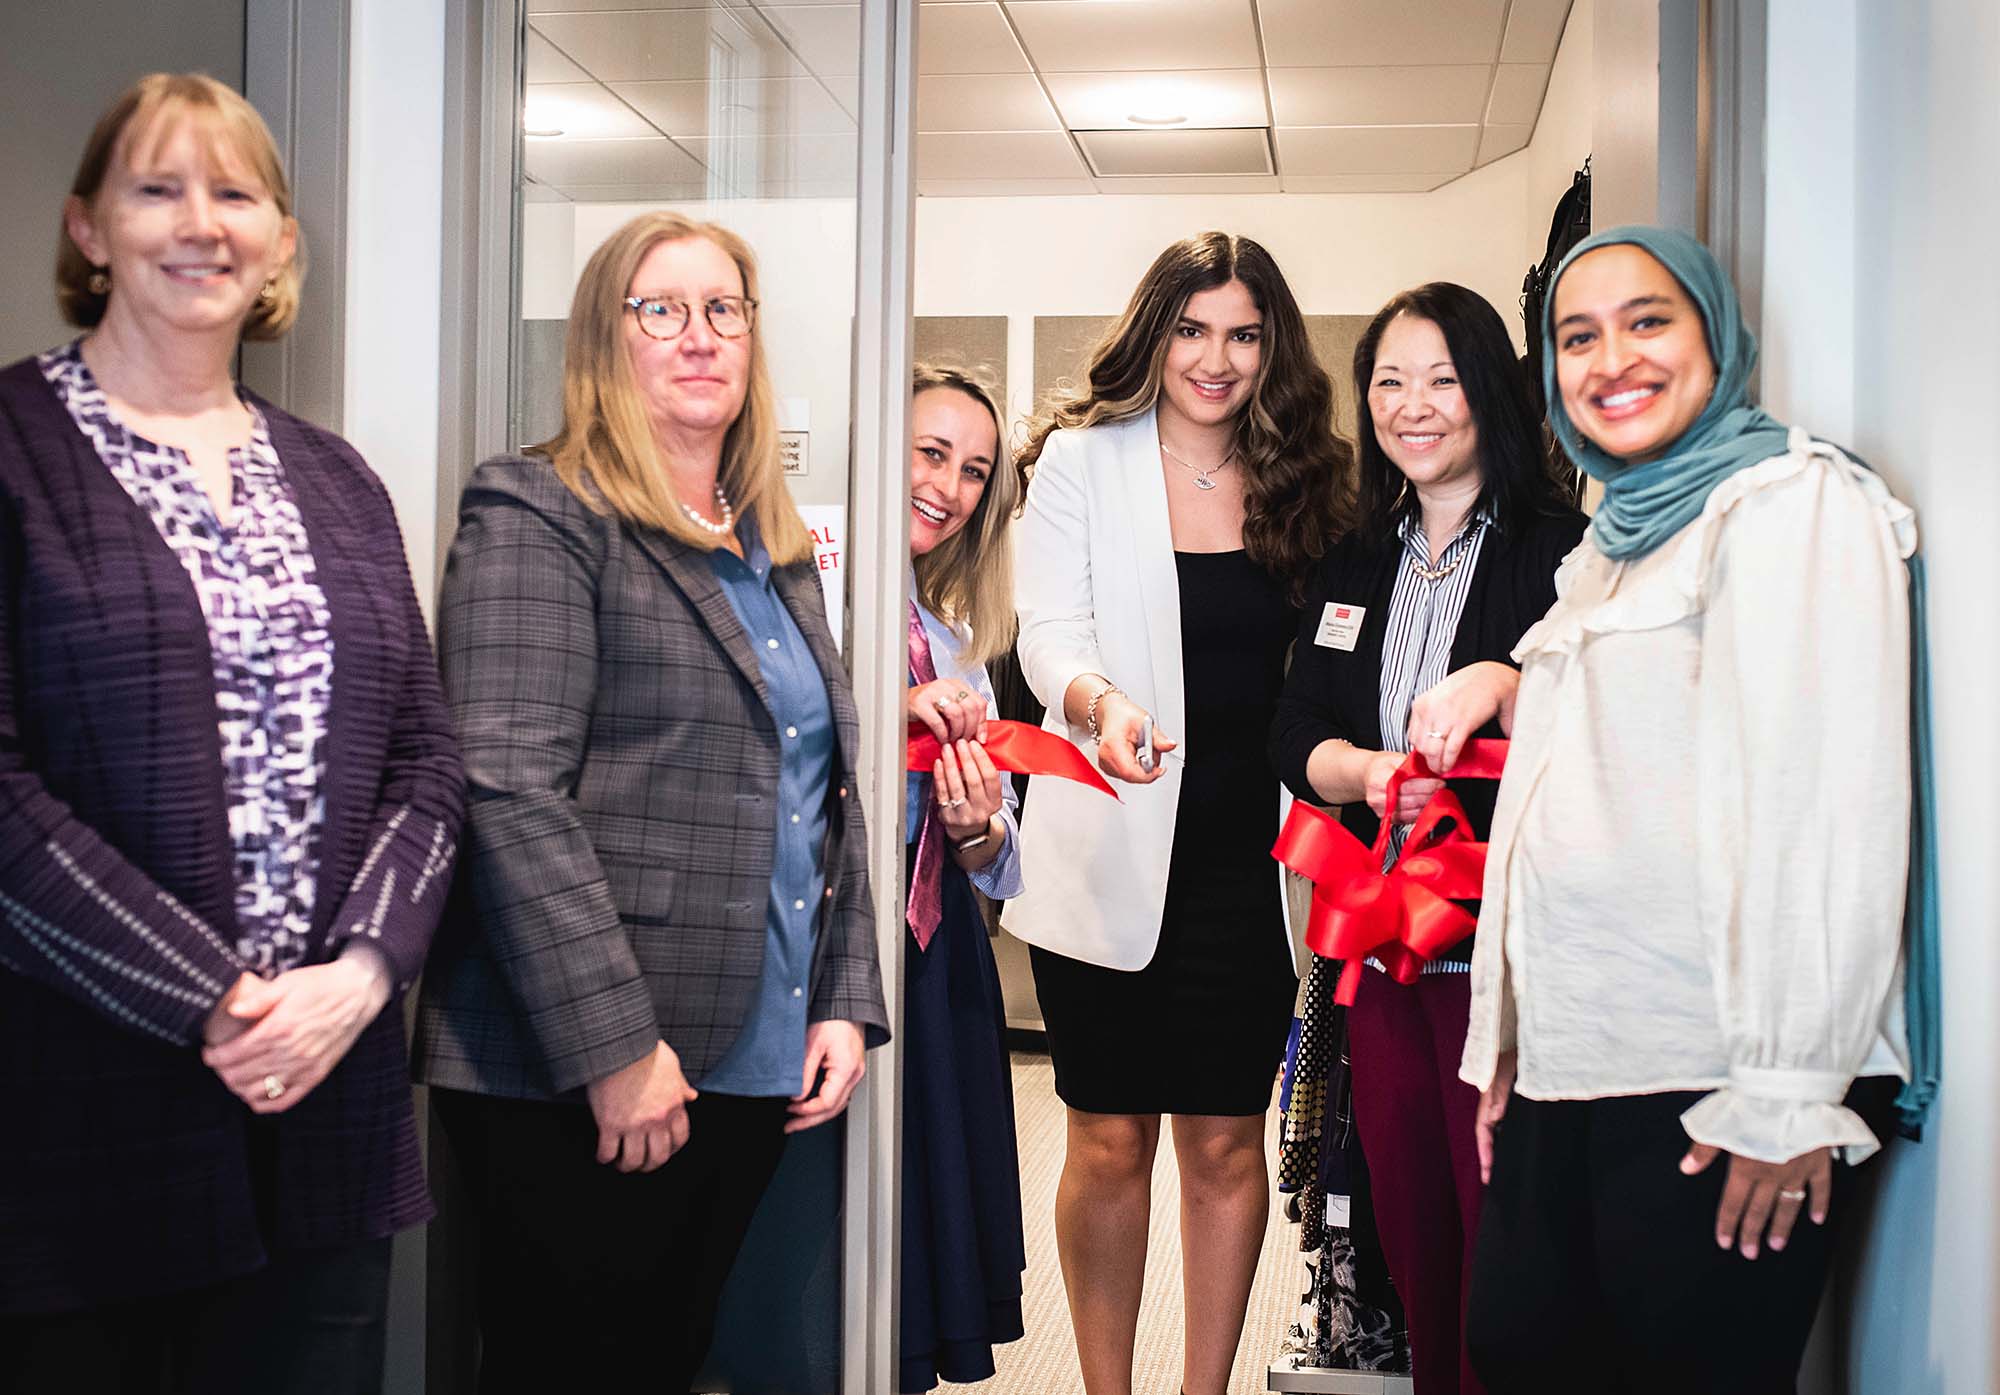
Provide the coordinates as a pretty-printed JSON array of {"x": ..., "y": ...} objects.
[
  {"x": 308, "y": 1323},
  {"x": 590, "y": 1278},
  {"x": 1597, "y": 1269}
]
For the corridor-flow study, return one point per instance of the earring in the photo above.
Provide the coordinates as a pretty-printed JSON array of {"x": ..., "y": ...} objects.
[
  {"x": 99, "y": 282},
  {"x": 270, "y": 291}
]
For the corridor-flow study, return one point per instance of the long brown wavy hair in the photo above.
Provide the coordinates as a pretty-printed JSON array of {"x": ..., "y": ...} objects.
[{"x": 1298, "y": 472}]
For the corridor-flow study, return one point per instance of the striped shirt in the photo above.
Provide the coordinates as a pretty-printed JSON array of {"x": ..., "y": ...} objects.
[{"x": 1416, "y": 650}]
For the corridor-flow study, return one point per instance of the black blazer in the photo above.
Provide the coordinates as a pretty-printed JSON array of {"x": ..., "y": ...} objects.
[
  {"x": 1331, "y": 693},
  {"x": 128, "y": 1168}
]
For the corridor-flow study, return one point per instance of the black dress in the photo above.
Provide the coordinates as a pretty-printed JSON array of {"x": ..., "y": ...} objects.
[{"x": 1201, "y": 1029}]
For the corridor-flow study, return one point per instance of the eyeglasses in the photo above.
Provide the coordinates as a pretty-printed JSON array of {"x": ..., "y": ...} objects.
[{"x": 730, "y": 316}]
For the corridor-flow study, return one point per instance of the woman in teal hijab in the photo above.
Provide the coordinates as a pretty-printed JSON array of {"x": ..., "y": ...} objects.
[{"x": 1688, "y": 985}]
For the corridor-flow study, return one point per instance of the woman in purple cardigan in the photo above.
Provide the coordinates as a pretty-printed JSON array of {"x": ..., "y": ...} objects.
[{"x": 229, "y": 798}]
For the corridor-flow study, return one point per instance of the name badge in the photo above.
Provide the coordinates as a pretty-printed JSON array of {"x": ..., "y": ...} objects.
[{"x": 1340, "y": 626}]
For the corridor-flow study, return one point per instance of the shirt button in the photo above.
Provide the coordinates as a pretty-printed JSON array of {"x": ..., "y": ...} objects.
[
  {"x": 798, "y": 992},
  {"x": 770, "y": 644},
  {"x": 798, "y": 905},
  {"x": 791, "y": 731},
  {"x": 795, "y": 818},
  {"x": 843, "y": 791}
]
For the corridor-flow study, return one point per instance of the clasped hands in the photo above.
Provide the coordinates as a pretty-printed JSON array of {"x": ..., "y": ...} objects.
[
  {"x": 964, "y": 781},
  {"x": 272, "y": 1041},
  {"x": 1761, "y": 1201}
]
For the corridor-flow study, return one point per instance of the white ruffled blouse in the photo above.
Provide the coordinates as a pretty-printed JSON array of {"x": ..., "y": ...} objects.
[{"x": 1697, "y": 866}]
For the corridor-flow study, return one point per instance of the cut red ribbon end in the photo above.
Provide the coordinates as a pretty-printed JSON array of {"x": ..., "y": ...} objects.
[{"x": 1016, "y": 747}]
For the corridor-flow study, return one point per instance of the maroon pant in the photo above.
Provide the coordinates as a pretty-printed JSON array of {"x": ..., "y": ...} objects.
[{"x": 1416, "y": 1118}]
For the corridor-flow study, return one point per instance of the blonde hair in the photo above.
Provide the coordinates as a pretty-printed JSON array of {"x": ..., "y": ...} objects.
[
  {"x": 968, "y": 579},
  {"x": 231, "y": 129},
  {"x": 606, "y": 452}
]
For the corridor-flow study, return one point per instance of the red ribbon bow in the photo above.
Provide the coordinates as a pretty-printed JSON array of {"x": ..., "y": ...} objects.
[
  {"x": 1403, "y": 917},
  {"x": 1017, "y": 747}
]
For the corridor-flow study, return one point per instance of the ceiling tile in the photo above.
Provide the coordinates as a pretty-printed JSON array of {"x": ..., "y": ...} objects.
[
  {"x": 1374, "y": 149},
  {"x": 1400, "y": 96},
  {"x": 1001, "y": 188},
  {"x": 1106, "y": 101},
  {"x": 826, "y": 38},
  {"x": 755, "y": 106},
  {"x": 1534, "y": 31},
  {"x": 552, "y": 7},
  {"x": 656, "y": 160},
  {"x": 1128, "y": 152},
  {"x": 1496, "y": 141},
  {"x": 1367, "y": 183},
  {"x": 546, "y": 63},
  {"x": 983, "y": 102},
  {"x": 1380, "y": 33},
  {"x": 666, "y": 45},
  {"x": 967, "y": 39},
  {"x": 755, "y": 164},
  {"x": 1020, "y": 155},
  {"x": 1067, "y": 36},
  {"x": 1517, "y": 93},
  {"x": 580, "y": 111},
  {"x": 672, "y": 191},
  {"x": 534, "y": 191},
  {"x": 1192, "y": 184}
]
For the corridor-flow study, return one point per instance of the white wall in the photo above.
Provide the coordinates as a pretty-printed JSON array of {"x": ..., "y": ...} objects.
[
  {"x": 1906, "y": 218},
  {"x": 1562, "y": 138}
]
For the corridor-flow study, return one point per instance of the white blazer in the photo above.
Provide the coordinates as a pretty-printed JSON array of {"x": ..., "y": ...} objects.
[{"x": 1098, "y": 592}]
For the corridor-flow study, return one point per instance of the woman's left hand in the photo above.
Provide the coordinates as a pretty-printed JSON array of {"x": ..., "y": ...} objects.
[
  {"x": 303, "y": 1022},
  {"x": 1444, "y": 718},
  {"x": 836, "y": 1048},
  {"x": 1758, "y": 1195},
  {"x": 968, "y": 788}
]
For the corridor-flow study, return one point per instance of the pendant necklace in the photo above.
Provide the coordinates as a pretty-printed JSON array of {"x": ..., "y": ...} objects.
[{"x": 1202, "y": 476}]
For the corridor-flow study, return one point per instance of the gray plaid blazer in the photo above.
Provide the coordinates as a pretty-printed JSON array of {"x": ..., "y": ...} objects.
[{"x": 623, "y": 765}]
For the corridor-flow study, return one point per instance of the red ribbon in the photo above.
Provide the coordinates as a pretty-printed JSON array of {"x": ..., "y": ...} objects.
[
  {"x": 1018, "y": 747},
  {"x": 1404, "y": 917}
]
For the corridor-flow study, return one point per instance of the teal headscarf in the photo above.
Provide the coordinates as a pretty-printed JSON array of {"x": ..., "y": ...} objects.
[{"x": 1644, "y": 505}]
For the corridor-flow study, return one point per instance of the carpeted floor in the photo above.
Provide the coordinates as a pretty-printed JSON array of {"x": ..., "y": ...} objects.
[{"x": 1044, "y": 1361}]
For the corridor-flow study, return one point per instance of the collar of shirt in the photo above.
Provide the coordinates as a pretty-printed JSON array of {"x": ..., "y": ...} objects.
[{"x": 1411, "y": 531}]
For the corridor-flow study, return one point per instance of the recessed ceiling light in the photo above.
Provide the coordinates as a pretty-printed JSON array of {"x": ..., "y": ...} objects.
[
  {"x": 542, "y": 132},
  {"x": 1137, "y": 120}
]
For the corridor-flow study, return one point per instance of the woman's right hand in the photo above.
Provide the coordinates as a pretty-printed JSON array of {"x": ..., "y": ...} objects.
[
  {"x": 1492, "y": 1109},
  {"x": 949, "y": 708},
  {"x": 641, "y": 1111},
  {"x": 1410, "y": 798},
  {"x": 1119, "y": 720}
]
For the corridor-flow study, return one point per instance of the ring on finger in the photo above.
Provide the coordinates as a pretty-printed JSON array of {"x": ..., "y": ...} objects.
[
  {"x": 1791, "y": 1194},
  {"x": 1434, "y": 736}
]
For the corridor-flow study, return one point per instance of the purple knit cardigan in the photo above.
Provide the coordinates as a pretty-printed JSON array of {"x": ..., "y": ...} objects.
[{"x": 127, "y": 1168}]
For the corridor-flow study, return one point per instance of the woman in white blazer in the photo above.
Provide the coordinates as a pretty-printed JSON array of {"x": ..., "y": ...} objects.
[{"x": 1177, "y": 499}]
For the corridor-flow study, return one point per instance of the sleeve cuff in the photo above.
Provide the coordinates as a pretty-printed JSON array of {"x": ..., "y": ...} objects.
[{"x": 1777, "y": 1129}]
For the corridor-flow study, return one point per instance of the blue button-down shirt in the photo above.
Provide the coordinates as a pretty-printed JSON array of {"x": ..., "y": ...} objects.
[{"x": 768, "y": 1057}]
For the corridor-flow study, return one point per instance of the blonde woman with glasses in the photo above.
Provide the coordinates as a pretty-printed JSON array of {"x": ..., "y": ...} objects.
[{"x": 667, "y": 957}]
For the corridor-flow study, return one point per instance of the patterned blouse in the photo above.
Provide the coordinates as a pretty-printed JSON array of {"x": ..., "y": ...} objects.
[{"x": 272, "y": 654}]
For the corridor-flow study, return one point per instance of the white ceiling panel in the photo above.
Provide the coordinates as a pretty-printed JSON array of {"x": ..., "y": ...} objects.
[
  {"x": 1401, "y": 96},
  {"x": 556, "y": 7},
  {"x": 1204, "y": 97},
  {"x": 580, "y": 111},
  {"x": 1534, "y": 31},
  {"x": 1375, "y": 149},
  {"x": 1517, "y": 93},
  {"x": 1002, "y": 188},
  {"x": 666, "y": 45},
  {"x": 1381, "y": 33},
  {"x": 1192, "y": 184},
  {"x": 753, "y": 106},
  {"x": 546, "y": 63},
  {"x": 1015, "y": 155},
  {"x": 1239, "y": 152},
  {"x": 1065, "y": 36},
  {"x": 653, "y": 161},
  {"x": 749, "y": 164},
  {"x": 1496, "y": 141},
  {"x": 672, "y": 191},
  {"x": 534, "y": 191},
  {"x": 826, "y": 38},
  {"x": 1416, "y": 183},
  {"x": 967, "y": 39},
  {"x": 983, "y": 102}
]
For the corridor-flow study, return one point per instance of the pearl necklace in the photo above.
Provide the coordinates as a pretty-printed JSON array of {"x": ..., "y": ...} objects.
[
  {"x": 728, "y": 522},
  {"x": 1202, "y": 475}
]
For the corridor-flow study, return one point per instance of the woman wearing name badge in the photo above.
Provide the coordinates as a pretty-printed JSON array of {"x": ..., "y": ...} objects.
[
  {"x": 1462, "y": 525},
  {"x": 1689, "y": 967},
  {"x": 1177, "y": 500},
  {"x": 665, "y": 960},
  {"x": 962, "y": 1247}
]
